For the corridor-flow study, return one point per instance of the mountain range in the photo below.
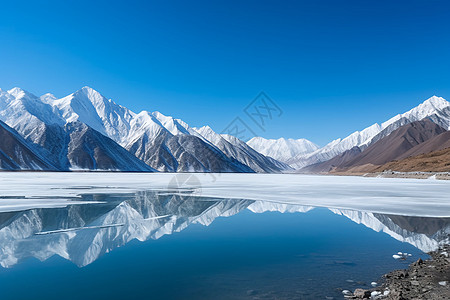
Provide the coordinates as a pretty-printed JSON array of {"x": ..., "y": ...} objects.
[
  {"x": 86, "y": 131},
  {"x": 392, "y": 145}
]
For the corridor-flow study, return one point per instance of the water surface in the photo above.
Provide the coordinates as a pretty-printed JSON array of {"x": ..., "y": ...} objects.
[{"x": 161, "y": 244}]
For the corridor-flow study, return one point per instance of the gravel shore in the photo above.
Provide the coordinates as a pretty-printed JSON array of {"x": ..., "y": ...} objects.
[
  {"x": 428, "y": 279},
  {"x": 416, "y": 175}
]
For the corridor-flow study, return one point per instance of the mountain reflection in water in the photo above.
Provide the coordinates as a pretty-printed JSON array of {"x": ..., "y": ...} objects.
[{"x": 83, "y": 233}]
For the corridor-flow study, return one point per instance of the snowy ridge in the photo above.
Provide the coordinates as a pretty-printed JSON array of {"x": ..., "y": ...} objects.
[{"x": 91, "y": 108}]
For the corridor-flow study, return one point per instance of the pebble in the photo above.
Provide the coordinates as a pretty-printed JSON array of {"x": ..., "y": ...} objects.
[
  {"x": 346, "y": 293},
  {"x": 375, "y": 293}
]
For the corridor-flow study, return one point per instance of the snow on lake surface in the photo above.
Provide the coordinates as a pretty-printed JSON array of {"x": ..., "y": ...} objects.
[{"x": 412, "y": 197}]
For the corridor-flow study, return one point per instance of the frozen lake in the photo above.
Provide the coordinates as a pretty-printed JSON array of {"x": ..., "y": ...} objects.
[
  {"x": 200, "y": 236},
  {"x": 412, "y": 197}
]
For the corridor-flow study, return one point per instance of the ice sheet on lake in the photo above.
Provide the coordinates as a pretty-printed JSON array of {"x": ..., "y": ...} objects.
[{"x": 412, "y": 197}]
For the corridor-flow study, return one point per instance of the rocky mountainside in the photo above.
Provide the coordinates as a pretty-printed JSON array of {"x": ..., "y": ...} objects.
[
  {"x": 436, "y": 143},
  {"x": 240, "y": 151},
  {"x": 18, "y": 154},
  {"x": 88, "y": 149},
  {"x": 335, "y": 162},
  {"x": 395, "y": 145}
]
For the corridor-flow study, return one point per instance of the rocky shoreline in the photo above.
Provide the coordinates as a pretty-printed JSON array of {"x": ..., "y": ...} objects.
[
  {"x": 416, "y": 175},
  {"x": 428, "y": 279}
]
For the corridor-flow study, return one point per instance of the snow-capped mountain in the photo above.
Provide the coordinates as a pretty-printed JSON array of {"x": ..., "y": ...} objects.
[
  {"x": 26, "y": 113},
  {"x": 435, "y": 108},
  {"x": 282, "y": 149},
  {"x": 162, "y": 142},
  {"x": 168, "y": 144},
  {"x": 91, "y": 108}
]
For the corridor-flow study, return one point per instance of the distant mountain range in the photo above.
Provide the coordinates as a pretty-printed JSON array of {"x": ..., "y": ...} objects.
[
  {"x": 394, "y": 145},
  {"x": 86, "y": 131},
  {"x": 435, "y": 109}
]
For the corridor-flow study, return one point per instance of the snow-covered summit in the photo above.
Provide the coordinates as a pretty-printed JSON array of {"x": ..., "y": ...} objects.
[
  {"x": 282, "y": 149},
  {"x": 17, "y": 92},
  {"x": 429, "y": 107},
  {"x": 48, "y": 98}
]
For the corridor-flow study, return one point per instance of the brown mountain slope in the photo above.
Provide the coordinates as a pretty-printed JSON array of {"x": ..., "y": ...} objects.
[
  {"x": 437, "y": 161},
  {"x": 394, "y": 146},
  {"x": 436, "y": 143}
]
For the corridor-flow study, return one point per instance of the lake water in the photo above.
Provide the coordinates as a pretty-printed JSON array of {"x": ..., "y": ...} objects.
[{"x": 108, "y": 242}]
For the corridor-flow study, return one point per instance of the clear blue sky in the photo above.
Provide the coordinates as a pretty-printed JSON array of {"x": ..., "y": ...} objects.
[{"x": 333, "y": 67}]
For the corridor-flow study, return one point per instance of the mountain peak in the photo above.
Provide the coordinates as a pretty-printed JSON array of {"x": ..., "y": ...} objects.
[
  {"x": 88, "y": 89},
  {"x": 87, "y": 95},
  {"x": 204, "y": 128},
  {"x": 17, "y": 92},
  {"x": 48, "y": 98},
  {"x": 436, "y": 102},
  {"x": 88, "y": 92}
]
